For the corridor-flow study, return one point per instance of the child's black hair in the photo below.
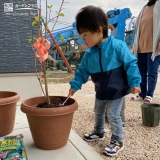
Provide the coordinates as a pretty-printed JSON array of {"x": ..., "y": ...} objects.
[{"x": 90, "y": 18}]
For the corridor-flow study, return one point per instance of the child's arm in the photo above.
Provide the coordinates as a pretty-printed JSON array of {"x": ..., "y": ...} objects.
[
  {"x": 71, "y": 92},
  {"x": 81, "y": 76},
  {"x": 130, "y": 66}
]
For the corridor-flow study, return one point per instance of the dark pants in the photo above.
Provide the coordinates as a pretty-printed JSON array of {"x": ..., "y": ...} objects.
[{"x": 149, "y": 73}]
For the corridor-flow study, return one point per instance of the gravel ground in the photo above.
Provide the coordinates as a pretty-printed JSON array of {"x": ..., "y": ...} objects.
[{"x": 141, "y": 143}]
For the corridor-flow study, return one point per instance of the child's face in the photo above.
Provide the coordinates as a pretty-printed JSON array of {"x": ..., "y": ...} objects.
[{"x": 92, "y": 39}]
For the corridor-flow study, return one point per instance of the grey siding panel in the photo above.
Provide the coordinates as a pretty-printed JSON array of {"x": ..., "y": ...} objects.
[{"x": 16, "y": 55}]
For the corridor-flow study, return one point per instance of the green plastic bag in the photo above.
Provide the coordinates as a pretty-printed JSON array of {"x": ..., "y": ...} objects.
[{"x": 12, "y": 148}]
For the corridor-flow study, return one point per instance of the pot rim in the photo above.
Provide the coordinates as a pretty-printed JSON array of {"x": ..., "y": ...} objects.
[
  {"x": 33, "y": 110},
  {"x": 10, "y": 99}
]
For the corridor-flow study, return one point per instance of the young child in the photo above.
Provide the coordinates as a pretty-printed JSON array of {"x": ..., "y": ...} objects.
[{"x": 113, "y": 69}]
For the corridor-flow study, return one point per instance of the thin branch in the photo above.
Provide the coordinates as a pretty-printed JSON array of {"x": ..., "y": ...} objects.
[
  {"x": 44, "y": 63},
  {"x": 39, "y": 27},
  {"x": 49, "y": 13},
  {"x": 45, "y": 81},
  {"x": 35, "y": 65},
  {"x": 40, "y": 4},
  {"x": 46, "y": 16},
  {"x": 58, "y": 15},
  {"x": 39, "y": 79},
  {"x": 50, "y": 20}
]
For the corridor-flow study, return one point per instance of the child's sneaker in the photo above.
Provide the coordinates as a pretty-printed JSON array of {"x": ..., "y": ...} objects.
[
  {"x": 113, "y": 148},
  {"x": 136, "y": 98},
  {"x": 94, "y": 136},
  {"x": 148, "y": 99}
]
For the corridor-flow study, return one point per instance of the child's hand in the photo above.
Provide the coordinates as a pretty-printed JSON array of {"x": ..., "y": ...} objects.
[
  {"x": 71, "y": 92},
  {"x": 135, "y": 90}
]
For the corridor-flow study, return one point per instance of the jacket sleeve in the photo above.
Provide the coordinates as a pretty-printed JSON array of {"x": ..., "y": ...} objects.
[
  {"x": 130, "y": 66},
  {"x": 81, "y": 75}
]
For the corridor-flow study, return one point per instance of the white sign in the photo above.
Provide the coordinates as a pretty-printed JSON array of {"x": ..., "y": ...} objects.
[
  {"x": 20, "y": 14},
  {"x": 26, "y": 6},
  {"x": 13, "y": 9},
  {"x": 8, "y": 7}
]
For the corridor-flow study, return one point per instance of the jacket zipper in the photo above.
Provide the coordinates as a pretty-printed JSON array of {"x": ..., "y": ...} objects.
[
  {"x": 100, "y": 63},
  {"x": 100, "y": 59}
]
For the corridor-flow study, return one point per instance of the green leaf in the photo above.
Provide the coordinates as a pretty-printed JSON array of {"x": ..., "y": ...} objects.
[
  {"x": 36, "y": 18},
  {"x": 61, "y": 14},
  {"x": 30, "y": 40},
  {"x": 49, "y": 7},
  {"x": 34, "y": 23},
  {"x": 62, "y": 38},
  {"x": 34, "y": 38}
]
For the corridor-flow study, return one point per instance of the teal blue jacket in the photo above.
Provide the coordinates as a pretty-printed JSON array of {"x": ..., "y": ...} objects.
[{"x": 112, "y": 67}]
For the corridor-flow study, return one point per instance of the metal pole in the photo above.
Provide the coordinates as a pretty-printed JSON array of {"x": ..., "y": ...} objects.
[{"x": 58, "y": 49}]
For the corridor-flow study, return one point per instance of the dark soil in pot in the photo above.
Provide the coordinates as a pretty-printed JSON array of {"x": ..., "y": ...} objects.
[{"x": 55, "y": 103}]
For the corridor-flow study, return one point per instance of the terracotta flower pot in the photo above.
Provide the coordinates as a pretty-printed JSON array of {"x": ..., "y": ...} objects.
[
  {"x": 50, "y": 127},
  {"x": 8, "y": 101}
]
